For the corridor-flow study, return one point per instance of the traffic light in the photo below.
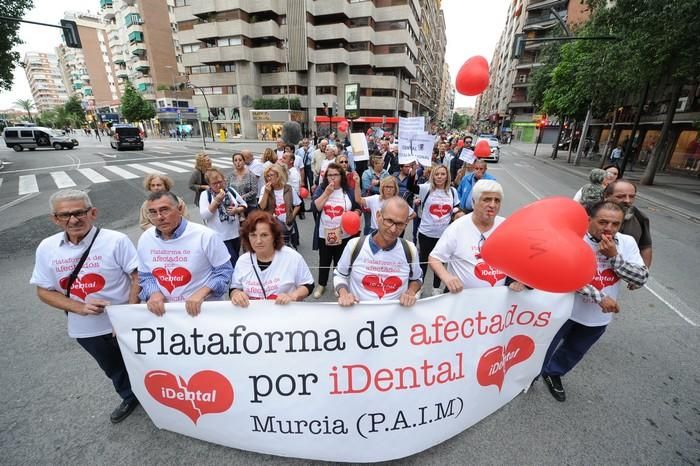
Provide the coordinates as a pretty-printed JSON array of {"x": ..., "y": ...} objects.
[
  {"x": 335, "y": 108},
  {"x": 70, "y": 34}
]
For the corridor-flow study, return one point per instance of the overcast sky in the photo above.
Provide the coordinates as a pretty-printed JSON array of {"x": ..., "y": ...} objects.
[{"x": 473, "y": 28}]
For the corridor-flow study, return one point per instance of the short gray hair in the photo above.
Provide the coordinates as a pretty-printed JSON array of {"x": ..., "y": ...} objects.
[
  {"x": 69, "y": 195},
  {"x": 485, "y": 186},
  {"x": 398, "y": 200}
]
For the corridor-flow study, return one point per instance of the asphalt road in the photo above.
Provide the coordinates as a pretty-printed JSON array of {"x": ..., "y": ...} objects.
[{"x": 633, "y": 400}]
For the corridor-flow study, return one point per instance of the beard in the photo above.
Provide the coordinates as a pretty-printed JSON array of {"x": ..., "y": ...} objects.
[{"x": 629, "y": 212}]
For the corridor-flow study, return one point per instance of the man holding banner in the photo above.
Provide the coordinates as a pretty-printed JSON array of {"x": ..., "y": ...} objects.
[
  {"x": 460, "y": 244},
  {"x": 81, "y": 271},
  {"x": 180, "y": 260},
  {"x": 382, "y": 266}
]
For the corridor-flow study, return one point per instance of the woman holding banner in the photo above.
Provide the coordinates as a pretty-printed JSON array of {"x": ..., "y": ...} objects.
[{"x": 269, "y": 269}]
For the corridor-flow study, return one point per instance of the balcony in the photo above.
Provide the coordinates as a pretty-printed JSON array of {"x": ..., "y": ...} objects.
[
  {"x": 136, "y": 36},
  {"x": 107, "y": 9},
  {"x": 119, "y": 60},
  {"x": 225, "y": 54},
  {"x": 133, "y": 19},
  {"x": 122, "y": 73},
  {"x": 142, "y": 66}
]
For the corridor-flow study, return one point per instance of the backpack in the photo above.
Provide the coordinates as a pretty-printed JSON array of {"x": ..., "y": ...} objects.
[{"x": 357, "y": 247}]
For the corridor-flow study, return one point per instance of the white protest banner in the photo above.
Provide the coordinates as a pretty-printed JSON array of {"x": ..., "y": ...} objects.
[
  {"x": 408, "y": 126},
  {"x": 360, "y": 151},
  {"x": 467, "y": 155},
  {"x": 312, "y": 380},
  {"x": 405, "y": 152},
  {"x": 423, "y": 149}
]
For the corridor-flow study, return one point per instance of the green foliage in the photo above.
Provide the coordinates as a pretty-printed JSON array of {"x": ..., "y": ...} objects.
[
  {"x": 27, "y": 105},
  {"x": 73, "y": 111},
  {"x": 460, "y": 121},
  {"x": 134, "y": 107},
  {"x": 10, "y": 38},
  {"x": 163, "y": 87},
  {"x": 276, "y": 104}
]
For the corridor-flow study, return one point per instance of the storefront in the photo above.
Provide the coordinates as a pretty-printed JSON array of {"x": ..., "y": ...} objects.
[
  {"x": 268, "y": 123},
  {"x": 170, "y": 118},
  {"x": 325, "y": 125}
]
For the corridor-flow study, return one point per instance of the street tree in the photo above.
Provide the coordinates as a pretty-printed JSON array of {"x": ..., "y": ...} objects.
[
  {"x": 9, "y": 31},
  {"x": 27, "y": 105},
  {"x": 134, "y": 107},
  {"x": 75, "y": 109}
]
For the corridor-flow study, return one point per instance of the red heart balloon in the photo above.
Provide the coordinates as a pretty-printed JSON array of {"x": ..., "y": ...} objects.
[
  {"x": 303, "y": 192},
  {"x": 350, "y": 222},
  {"x": 542, "y": 246},
  {"x": 482, "y": 148},
  {"x": 473, "y": 76},
  {"x": 343, "y": 126}
]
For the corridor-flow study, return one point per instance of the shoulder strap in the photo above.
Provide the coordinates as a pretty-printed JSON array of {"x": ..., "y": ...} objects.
[
  {"x": 252, "y": 264},
  {"x": 74, "y": 274},
  {"x": 408, "y": 252},
  {"x": 359, "y": 242}
]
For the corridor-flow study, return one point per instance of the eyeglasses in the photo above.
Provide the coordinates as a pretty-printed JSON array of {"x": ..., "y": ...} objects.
[
  {"x": 164, "y": 211},
  {"x": 332, "y": 175},
  {"x": 79, "y": 214},
  {"x": 345, "y": 162},
  {"x": 391, "y": 224}
]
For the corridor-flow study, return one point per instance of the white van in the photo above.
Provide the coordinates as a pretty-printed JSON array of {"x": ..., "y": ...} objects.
[{"x": 33, "y": 137}]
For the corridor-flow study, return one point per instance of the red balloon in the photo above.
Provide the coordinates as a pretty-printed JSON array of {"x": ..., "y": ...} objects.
[
  {"x": 350, "y": 222},
  {"x": 542, "y": 246},
  {"x": 343, "y": 126},
  {"x": 460, "y": 143},
  {"x": 482, "y": 148},
  {"x": 303, "y": 192},
  {"x": 473, "y": 76}
]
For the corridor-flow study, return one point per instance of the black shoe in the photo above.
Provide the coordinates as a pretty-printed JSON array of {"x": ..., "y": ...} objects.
[
  {"x": 123, "y": 410},
  {"x": 555, "y": 387}
]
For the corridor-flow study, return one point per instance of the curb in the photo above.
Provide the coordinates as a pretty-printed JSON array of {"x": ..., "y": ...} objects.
[{"x": 677, "y": 210}]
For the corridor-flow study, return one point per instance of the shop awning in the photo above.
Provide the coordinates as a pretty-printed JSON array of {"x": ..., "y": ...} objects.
[{"x": 337, "y": 119}]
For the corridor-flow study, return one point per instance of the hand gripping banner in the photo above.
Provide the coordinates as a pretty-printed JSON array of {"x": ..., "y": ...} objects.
[{"x": 369, "y": 383}]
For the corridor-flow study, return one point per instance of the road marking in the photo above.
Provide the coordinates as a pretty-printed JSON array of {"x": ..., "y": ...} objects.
[
  {"x": 92, "y": 175},
  {"x": 62, "y": 180},
  {"x": 527, "y": 188},
  {"x": 162, "y": 152},
  {"x": 1, "y": 182},
  {"x": 127, "y": 175},
  {"x": 145, "y": 169},
  {"x": 228, "y": 162},
  {"x": 17, "y": 201},
  {"x": 660, "y": 289},
  {"x": 184, "y": 164},
  {"x": 220, "y": 165},
  {"x": 169, "y": 167},
  {"x": 27, "y": 185},
  {"x": 523, "y": 165},
  {"x": 111, "y": 156}
]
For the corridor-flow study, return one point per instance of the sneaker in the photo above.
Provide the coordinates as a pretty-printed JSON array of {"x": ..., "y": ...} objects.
[
  {"x": 318, "y": 292},
  {"x": 123, "y": 410},
  {"x": 555, "y": 387}
]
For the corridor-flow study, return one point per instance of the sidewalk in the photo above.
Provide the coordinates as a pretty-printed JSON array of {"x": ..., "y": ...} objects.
[{"x": 670, "y": 191}]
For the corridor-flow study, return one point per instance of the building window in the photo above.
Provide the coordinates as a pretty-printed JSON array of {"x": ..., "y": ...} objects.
[
  {"x": 324, "y": 68},
  {"x": 320, "y": 90},
  {"x": 358, "y": 22},
  {"x": 271, "y": 68},
  {"x": 358, "y": 46},
  {"x": 189, "y": 48},
  {"x": 202, "y": 69},
  {"x": 182, "y": 2},
  {"x": 228, "y": 67},
  {"x": 391, "y": 25},
  {"x": 361, "y": 70},
  {"x": 228, "y": 41}
]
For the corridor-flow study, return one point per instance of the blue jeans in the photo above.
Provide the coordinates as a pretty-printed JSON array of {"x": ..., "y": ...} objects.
[
  {"x": 105, "y": 350},
  {"x": 576, "y": 339}
]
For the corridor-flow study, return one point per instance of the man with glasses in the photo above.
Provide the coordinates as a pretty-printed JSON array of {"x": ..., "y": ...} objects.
[
  {"x": 382, "y": 266},
  {"x": 81, "y": 270},
  {"x": 180, "y": 260},
  {"x": 460, "y": 244}
]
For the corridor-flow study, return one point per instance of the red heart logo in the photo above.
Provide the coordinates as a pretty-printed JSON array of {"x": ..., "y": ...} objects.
[
  {"x": 280, "y": 210},
  {"x": 484, "y": 271},
  {"x": 381, "y": 287},
  {"x": 85, "y": 285},
  {"x": 269, "y": 297},
  {"x": 496, "y": 361},
  {"x": 606, "y": 278},
  {"x": 207, "y": 392},
  {"x": 177, "y": 277},
  {"x": 542, "y": 246},
  {"x": 333, "y": 211},
  {"x": 440, "y": 210}
]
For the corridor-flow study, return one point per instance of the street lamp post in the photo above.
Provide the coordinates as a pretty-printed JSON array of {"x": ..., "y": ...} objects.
[{"x": 206, "y": 102}]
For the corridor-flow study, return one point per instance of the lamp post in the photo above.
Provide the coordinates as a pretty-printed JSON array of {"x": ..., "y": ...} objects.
[{"x": 206, "y": 102}]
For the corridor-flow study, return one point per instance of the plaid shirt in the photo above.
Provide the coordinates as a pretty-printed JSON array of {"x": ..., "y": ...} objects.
[{"x": 635, "y": 275}]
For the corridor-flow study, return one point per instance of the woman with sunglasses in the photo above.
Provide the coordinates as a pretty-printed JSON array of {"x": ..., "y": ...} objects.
[
  {"x": 279, "y": 199},
  {"x": 388, "y": 187},
  {"x": 329, "y": 202},
  {"x": 344, "y": 162}
]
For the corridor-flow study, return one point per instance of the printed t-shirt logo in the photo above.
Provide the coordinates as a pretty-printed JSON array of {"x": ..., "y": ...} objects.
[
  {"x": 175, "y": 278},
  {"x": 485, "y": 272},
  {"x": 376, "y": 285},
  {"x": 85, "y": 285},
  {"x": 440, "y": 210},
  {"x": 604, "y": 279},
  {"x": 333, "y": 211}
]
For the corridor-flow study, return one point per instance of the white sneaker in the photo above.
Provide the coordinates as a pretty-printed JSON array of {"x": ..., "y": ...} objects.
[{"x": 318, "y": 292}]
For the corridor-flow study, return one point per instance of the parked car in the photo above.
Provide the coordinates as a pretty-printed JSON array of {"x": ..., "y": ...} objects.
[
  {"x": 36, "y": 137},
  {"x": 126, "y": 136},
  {"x": 495, "y": 148}
]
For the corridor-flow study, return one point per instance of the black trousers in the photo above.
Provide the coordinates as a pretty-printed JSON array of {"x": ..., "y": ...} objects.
[
  {"x": 328, "y": 255},
  {"x": 426, "y": 245},
  {"x": 233, "y": 246},
  {"x": 105, "y": 350}
]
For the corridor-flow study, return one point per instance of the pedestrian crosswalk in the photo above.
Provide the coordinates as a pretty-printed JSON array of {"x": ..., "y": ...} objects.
[{"x": 82, "y": 177}]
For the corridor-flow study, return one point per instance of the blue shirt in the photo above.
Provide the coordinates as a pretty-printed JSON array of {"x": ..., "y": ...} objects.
[{"x": 465, "y": 189}]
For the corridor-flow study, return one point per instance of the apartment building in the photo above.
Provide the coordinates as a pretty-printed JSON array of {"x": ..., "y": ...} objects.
[
  {"x": 45, "y": 80},
  {"x": 446, "y": 101},
  {"x": 242, "y": 54},
  {"x": 143, "y": 45},
  {"x": 89, "y": 72}
]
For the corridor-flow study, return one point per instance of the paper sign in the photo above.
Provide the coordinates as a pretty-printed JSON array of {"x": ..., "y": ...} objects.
[
  {"x": 409, "y": 126},
  {"x": 360, "y": 151},
  {"x": 418, "y": 148},
  {"x": 467, "y": 155}
]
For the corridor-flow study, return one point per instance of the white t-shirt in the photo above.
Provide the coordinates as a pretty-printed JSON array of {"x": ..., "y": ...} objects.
[
  {"x": 256, "y": 168},
  {"x": 324, "y": 166},
  {"x": 586, "y": 311},
  {"x": 460, "y": 245},
  {"x": 280, "y": 208},
  {"x": 183, "y": 265},
  {"x": 294, "y": 179},
  {"x": 104, "y": 275},
  {"x": 437, "y": 210},
  {"x": 228, "y": 229},
  {"x": 337, "y": 204},
  {"x": 381, "y": 276},
  {"x": 286, "y": 273},
  {"x": 374, "y": 203}
]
